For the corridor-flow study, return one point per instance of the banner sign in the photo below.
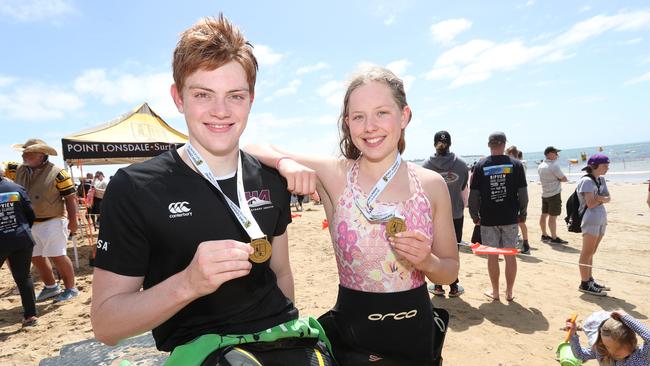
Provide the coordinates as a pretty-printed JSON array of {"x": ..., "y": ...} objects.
[{"x": 100, "y": 150}]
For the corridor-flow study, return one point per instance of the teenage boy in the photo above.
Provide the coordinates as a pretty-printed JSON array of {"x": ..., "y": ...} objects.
[{"x": 203, "y": 229}]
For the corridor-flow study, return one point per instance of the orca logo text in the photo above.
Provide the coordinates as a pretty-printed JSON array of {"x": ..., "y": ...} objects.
[{"x": 395, "y": 316}]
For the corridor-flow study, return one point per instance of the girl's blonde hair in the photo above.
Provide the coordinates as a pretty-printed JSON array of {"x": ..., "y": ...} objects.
[
  {"x": 381, "y": 75},
  {"x": 617, "y": 331}
]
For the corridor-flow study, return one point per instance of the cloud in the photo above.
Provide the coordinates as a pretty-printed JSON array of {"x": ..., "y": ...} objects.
[
  {"x": 116, "y": 87},
  {"x": 6, "y": 81},
  {"x": 584, "y": 9},
  {"x": 312, "y": 68},
  {"x": 290, "y": 89},
  {"x": 588, "y": 99},
  {"x": 266, "y": 56},
  {"x": 556, "y": 56},
  {"x": 600, "y": 24},
  {"x": 318, "y": 134},
  {"x": 639, "y": 79},
  {"x": 444, "y": 32},
  {"x": 38, "y": 102},
  {"x": 399, "y": 67},
  {"x": 333, "y": 91},
  {"x": 477, "y": 60},
  {"x": 530, "y": 2},
  {"x": 36, "y": 10},
  {"x": 388, "y": 11},
  {"x": 390, "y": 19},
  {"x": 525, "y": 105},
  {"x": 632, "y": 41}
]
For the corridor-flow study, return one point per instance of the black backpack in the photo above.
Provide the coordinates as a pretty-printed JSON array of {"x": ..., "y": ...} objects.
[{"x": 573, "y": 214}]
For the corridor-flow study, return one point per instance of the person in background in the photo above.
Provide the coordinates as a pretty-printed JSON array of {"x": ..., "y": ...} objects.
[
  {"x": 515, "y": 153},
  {"x": 612, "y": 340},
  {"x": 16, "y": 242},
  {"x": 498, "y": 201},
  {"x": 52, "y": 193},
  {"x": 84, "y": 186},
  {"x": 551, "y": 178},
  {"x": 454, "y": 171},
  {"x": 593, "y": 195},
  {"x": 99, "y": 187}
]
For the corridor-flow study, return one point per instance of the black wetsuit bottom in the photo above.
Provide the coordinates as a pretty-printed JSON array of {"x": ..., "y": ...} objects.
[{"x": 386, "y": 329}]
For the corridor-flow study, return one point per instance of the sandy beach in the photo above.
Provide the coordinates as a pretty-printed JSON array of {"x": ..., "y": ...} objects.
[{"x": 525, "y": 331}]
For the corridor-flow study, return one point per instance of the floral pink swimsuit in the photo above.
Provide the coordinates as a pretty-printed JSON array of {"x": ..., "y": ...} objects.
[{"x": 365, "y": 259}]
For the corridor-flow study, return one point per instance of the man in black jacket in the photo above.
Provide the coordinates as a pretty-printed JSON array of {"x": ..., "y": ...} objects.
[{"x": 16, "y": 243}]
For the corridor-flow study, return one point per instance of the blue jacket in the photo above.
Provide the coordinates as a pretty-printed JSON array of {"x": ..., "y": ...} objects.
[{"x": 16, "y": 217}]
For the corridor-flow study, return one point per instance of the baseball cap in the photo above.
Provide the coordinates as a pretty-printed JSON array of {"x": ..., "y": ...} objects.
[
  {"x": 597, "y": 159},
  {"x": 442, "y": 136},
  {"x": 497, "y": 137},
  {"x": 551, "y": 149}
]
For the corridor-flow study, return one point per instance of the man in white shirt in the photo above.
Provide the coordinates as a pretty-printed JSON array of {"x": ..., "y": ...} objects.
[{"x": 551, "y": 177}]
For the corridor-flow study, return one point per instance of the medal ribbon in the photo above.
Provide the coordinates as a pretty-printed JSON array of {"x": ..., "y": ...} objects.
[
  {"x": 242, "y": 212},
  {"x": 368, "y": 209}
]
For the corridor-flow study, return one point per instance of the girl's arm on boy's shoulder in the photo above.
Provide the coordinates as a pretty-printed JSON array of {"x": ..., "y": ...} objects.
[{"x": 301, "y": 171}]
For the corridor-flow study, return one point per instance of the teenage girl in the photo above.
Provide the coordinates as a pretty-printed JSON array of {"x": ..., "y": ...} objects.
[{"x": 390, "y": 223}]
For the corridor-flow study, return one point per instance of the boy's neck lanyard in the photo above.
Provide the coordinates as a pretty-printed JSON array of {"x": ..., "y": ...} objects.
[{"x": 242, "y": 212}]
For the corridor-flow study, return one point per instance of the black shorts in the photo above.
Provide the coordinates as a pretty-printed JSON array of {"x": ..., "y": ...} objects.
[
  {"x": 385, "y": 329},
  {"x": 552, "y": 205}
]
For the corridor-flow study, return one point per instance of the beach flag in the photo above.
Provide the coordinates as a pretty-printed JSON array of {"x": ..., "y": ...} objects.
[
  {"x": 325, "y": 224},
  {"x": 484, "y": 249}
]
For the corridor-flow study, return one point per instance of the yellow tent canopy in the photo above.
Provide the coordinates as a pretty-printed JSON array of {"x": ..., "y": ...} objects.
[{"x": 133, "y": 137}]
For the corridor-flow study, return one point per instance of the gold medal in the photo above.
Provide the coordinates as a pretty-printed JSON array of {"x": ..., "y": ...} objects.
[
  {"x": 262, "y": 251},
  {"x": 395, "y": 225}
]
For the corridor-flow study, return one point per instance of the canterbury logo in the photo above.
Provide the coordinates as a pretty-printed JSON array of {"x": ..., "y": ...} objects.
[
  {"x": 178, "y": 207},
  {"x": 395, "y": 316}
]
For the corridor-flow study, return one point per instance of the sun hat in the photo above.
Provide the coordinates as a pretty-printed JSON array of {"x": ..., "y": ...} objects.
[
  {"x": 35, "y": 145},
  {"x": 592, "y": 324}
]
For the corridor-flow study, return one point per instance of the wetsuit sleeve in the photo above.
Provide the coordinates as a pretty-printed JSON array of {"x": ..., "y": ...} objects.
[
  {"x": 64, "y": 184},
  {"x": 27, "y": 207},
  {"x": 122, "y": 246},
  {"x": 579, "y": 352}
]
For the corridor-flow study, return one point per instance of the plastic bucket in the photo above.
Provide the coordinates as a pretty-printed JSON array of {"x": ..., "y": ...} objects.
[{"x": 566, "y": 357}]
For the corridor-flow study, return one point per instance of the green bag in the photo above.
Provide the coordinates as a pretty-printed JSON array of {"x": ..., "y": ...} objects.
[{"x": 196, "y": 351}]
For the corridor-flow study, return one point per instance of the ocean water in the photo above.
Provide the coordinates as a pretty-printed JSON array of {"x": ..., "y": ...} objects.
[{"x": 629, "y": 162}]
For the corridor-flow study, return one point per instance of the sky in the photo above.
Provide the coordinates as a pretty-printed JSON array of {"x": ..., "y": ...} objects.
[{"x": 562, "y": 73}]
